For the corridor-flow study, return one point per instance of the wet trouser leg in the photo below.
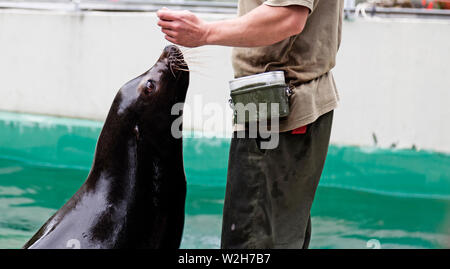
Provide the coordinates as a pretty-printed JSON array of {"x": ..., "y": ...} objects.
[{"x": 269, "y": 193}]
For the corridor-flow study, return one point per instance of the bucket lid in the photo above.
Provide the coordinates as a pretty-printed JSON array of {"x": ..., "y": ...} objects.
[{"x": 268, "y": 78}]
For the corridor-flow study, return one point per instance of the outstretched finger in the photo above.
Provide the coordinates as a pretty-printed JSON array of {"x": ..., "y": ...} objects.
[
  {"x": 165, "y": 24},
  {"x": 167, "y": 15},
  {"x": 169, "y": 32}
]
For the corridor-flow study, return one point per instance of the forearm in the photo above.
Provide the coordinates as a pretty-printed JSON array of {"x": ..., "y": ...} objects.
[{"x": 263, "y": 26}]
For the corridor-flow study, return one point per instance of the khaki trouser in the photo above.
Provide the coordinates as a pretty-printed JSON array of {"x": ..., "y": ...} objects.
[{"x": 269, "y": 193}]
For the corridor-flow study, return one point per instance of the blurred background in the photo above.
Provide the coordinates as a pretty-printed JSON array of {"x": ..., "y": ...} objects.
[{"x": 386, "y": 182}]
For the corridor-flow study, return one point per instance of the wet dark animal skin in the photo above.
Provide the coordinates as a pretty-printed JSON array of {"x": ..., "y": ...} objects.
[{"x": 134, "y": 196}]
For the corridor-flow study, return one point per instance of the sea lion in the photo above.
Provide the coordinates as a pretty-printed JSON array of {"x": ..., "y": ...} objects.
[{"x": 134, "y": 195}]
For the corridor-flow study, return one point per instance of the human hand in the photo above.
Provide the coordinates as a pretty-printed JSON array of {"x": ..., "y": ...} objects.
[{"x": 183, "y": 27}]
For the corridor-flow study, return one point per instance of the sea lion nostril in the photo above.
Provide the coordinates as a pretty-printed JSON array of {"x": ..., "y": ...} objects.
[{"x": 171, "y": 49}]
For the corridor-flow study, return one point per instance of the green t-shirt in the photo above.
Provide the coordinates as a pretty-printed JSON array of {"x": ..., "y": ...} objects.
[{"x": 306, "y": 59}]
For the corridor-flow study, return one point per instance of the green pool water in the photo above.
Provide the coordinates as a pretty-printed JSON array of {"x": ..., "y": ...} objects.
[{"x": 399, "y": 197}]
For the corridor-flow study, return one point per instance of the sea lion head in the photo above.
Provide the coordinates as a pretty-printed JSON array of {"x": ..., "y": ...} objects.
[{"x": 147, "y": 101}]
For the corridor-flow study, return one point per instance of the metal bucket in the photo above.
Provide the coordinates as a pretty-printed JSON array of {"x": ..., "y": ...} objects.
[{"x": 266, "y": 89}]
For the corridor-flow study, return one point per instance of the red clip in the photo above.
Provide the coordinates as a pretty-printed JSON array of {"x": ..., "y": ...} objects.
[{"x": 301, "y": 130}]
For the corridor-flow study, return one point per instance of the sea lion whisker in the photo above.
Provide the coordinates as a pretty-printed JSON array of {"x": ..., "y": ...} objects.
[
  {"x": 171, "y": 70},
  {"x": 195, "y": 62},
  {"x": 177, "y": 59},
  {"x": 195, "y": 72},
  {"x": 181, "y": 63},
  {"x": 182, "y": 69},
  {"x": 186, "y": 49},
  {"x": 189, "y": 53}
]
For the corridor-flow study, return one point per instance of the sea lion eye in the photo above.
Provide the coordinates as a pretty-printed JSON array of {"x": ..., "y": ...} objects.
[{"x": 149, "y": 86}]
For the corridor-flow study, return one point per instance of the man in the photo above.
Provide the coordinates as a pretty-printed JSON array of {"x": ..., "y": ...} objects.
[{"x": 269, "y": 193}]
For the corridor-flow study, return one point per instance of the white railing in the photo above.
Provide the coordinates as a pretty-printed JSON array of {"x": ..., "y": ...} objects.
[
  {"x": 223, "y": 7},
  {"x": 122, "y": 5}
]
